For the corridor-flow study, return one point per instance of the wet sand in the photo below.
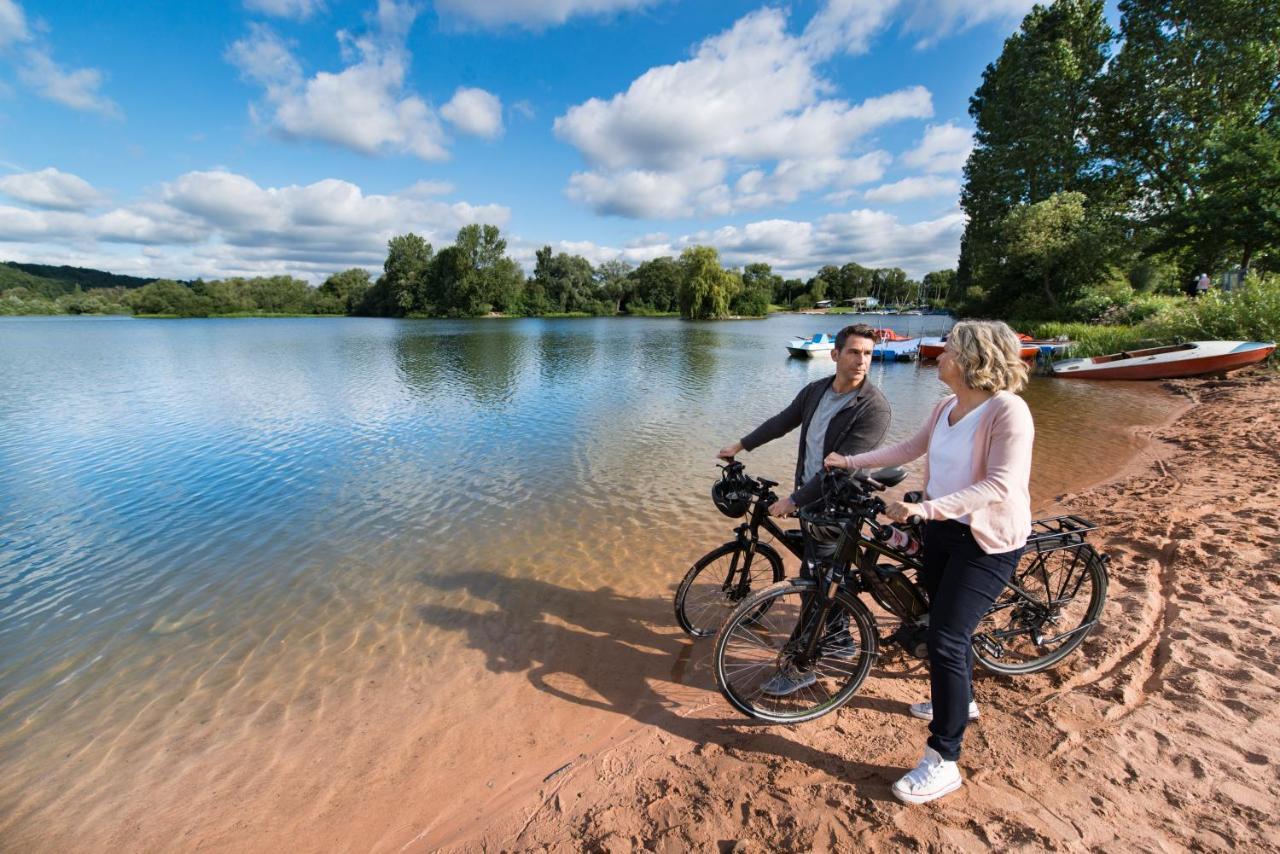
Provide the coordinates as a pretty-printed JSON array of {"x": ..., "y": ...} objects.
[{"x": 1161, "y": 734}]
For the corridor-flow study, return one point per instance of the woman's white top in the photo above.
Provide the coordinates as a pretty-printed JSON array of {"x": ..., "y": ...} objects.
[{"x": 951, "y": 453}]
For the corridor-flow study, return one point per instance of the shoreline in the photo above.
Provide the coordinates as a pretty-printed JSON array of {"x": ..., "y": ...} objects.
[{"x": 1124, "y": 744}]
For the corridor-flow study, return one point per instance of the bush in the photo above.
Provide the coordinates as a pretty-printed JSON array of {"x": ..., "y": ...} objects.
[{"x": 1251, "y": 312}]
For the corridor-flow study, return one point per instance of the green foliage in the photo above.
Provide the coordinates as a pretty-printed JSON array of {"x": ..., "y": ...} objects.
[
  {"x": 342, "y": 293},
  {"x": 165, "y": 296},
  {"x": 1034, "y": 117},
  {"x": 54, "y": 281},
  {"x": 755, "y": 291},
  {"x": 706, "y": 288},
  {"x": 1251, "y": 312},
  {"x": 655, "y": 287},
  {"x": 566, "y": 280},
  {"x": 1052, "y": 243}
]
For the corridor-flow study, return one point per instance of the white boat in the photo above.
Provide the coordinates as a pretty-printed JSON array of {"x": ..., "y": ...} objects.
[
  {"x": 1192, "y": 359},
  {"x": 907, "y": 350},
  {"x": 806, "y": 348}
]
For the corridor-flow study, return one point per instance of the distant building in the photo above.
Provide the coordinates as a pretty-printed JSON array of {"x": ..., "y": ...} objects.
[
  {"x": 822, "y": 303},
  {"x": 861, "y": 302}
]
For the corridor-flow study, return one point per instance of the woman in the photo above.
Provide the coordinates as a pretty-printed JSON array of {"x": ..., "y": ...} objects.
[{"x": 977, "y": 450}]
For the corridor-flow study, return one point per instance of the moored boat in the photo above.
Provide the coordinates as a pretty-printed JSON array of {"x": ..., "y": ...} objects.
[
  {"x": 931, "y": 348},
  {"x": 806, "y": 348},
  {"x": 1192, "y": 359},
  {"x": 904, "y": 350}
]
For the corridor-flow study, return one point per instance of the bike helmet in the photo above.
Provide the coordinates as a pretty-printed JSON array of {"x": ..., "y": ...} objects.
[{"x": 732, "y": 492}]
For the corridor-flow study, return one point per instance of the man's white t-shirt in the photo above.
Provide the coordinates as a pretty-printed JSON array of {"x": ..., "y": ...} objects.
[{"x": 951, "y": 453}]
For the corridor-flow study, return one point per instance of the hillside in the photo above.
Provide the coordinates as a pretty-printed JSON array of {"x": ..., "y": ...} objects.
[{"x": 52, "y": 281}]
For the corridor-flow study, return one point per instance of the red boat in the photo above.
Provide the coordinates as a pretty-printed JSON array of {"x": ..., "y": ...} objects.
[
  {"x": 1164, "y": 363},
  {"x": 887, "y": 334},
  {"x": 931, "y": 348}
]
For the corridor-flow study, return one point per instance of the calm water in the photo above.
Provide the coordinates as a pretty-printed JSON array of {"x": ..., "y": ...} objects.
[{"x": 223, "y": 539}]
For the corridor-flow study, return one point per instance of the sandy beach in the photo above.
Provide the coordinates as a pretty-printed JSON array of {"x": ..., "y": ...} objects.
[{"x": 1161, "y": 734}]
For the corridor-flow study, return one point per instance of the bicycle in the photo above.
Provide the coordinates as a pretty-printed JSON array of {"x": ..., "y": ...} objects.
[
  {"x": 727, "y": 574},
  {"x": 786, "y": 628}
]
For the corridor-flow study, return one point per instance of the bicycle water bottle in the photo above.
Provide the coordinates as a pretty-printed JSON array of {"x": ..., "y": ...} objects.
[{"x": 896, "y": 538}]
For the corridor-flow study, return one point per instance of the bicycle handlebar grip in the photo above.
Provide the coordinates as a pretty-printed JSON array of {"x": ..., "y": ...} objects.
[{"x": 915, "y": 519}]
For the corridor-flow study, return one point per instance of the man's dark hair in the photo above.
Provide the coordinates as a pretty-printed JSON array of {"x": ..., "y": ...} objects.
[{"x": 858, "y": 330}]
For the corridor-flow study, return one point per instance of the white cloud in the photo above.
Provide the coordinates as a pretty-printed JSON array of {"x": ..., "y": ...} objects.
[
  {"x": 363, "y": 107},
  {"x": 50, "y": 188},
  {"x": 937, "y": 19},
  {"x": 219, "y": 223},
  {"x": 297, "y": 9},
  {"x": 532, "y": 14},
  {"x": 847, "y": 25},
  {"x": 13, "y": 23},
  {"x": 915, "y": 187},
  {"x": 944, "y": 148},
  {"x": 75, "y": 88},
  {"x": 474, "y": 111},
  {"x": 795, "y": 247},
  {"x": 749, "y": 102}
]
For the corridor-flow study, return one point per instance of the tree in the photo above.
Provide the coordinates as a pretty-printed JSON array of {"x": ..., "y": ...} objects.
[
  {"x": 402, "y": 285},
  {"x": 345, "y": 291},
  {"x": 1035, "y": 117},
  {"x": 938, "y": 286},
  {"x": 565, "y": 279},
  {"x": 706, "y": 288},
  {"x": 758, "y": 285},
  {"x": 1051, "y": 242},
  {"x": 1190, "y": 103},
  {"x": 613, "y": 282},
  {"x": 656, "y": 286},
  {"x": 493, "y": 279}
]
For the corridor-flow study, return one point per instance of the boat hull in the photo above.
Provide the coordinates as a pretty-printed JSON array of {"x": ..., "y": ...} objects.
[
  {"x": 1138, "y": 367},
  {"x": 802, "y": 353},
  {"x": 933, "y": 351}
]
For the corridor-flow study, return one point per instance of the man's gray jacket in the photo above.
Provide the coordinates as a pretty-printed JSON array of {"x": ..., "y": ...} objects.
[{"x": 860, "y": 426}]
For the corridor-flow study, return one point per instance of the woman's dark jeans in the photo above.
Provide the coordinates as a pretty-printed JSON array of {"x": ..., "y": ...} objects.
[{"x": 962, "y": 581}]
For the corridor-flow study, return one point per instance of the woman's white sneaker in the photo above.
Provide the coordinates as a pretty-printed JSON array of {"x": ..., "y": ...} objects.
[
  {"x": 931, "y": 779},
  {"x": 924, "y": 711}
]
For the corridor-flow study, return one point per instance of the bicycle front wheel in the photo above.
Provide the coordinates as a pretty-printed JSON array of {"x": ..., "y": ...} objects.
[
  {"x": 1058, "y": 598},
  {"x": 761, "y": 665},
  {"x": 720, "y": 579}
]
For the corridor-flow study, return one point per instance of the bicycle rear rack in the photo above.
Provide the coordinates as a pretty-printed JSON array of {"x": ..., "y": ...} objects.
[{"x": 1058, "y": 532}]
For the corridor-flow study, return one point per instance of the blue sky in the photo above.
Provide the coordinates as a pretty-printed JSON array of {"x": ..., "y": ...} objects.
[{"x": 296, "y": 136}]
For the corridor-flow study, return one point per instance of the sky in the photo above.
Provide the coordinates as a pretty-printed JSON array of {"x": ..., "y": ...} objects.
[{"x": 261, "y": 137}]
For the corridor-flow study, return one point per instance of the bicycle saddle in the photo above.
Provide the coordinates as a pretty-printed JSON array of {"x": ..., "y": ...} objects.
[{"x": 890, "y": 476}]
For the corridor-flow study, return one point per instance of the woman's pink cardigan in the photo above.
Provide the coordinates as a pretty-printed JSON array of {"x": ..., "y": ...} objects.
[{"x": 999, "y": 501}]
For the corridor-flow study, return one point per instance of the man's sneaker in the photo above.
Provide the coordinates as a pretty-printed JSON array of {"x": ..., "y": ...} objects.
[
  {"x": 931, "y": 779},
  {"x": 788, "y": 681},
  {"x": 924, "y": 711},
  {"x": 841, "y": 646}
]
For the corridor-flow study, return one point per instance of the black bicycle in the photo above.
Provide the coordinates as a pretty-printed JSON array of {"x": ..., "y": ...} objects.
[
  {"x": 780, "y": 656},
  {"x": 727, "y": 574}
]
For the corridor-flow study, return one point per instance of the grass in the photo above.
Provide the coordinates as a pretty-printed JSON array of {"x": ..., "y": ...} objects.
[{"x": 1250, "y": 313}]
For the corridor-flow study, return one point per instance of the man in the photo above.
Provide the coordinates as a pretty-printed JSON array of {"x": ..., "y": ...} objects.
[{"x": 844, "y": 411}]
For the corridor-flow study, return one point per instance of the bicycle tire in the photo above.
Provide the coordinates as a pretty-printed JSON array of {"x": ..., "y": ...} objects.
[
  {"x": 751, "y": 649},
  {"x": 701, "y": 601},
  {"x": 1014, "y": 620}
]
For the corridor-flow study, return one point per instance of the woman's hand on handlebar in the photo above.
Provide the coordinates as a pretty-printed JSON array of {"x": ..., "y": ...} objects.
[
  {"x": 902, "y": 511},
  {"x": 728, "y": 452},
  {"x": 836, "y": 461},
  {"x": 782, "y": 507}
]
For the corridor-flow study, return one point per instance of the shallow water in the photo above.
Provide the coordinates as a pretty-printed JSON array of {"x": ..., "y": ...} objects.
[{"x": 281, "y": 566}]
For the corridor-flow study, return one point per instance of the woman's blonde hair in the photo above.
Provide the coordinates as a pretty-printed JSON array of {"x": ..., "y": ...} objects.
[{"x": 988, "y": 354}]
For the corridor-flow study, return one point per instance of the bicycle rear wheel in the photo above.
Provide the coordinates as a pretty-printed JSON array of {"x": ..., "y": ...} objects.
[
  {"x": 713, "y": 586},
  {"x": 760, "y": 641},
  {"x": 1063, "y": 594}
]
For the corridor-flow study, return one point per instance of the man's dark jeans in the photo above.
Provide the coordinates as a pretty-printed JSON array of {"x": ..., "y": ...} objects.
[{"x": 962, "y": 581}]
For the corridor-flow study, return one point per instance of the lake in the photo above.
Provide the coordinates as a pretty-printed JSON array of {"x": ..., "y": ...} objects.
[{"x": 347, "y": 583}]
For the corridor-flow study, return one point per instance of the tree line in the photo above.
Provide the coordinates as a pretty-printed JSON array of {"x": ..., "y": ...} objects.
[
  {"x": 1109, "y": 164},
  {"x": 474, "y": 276}
]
